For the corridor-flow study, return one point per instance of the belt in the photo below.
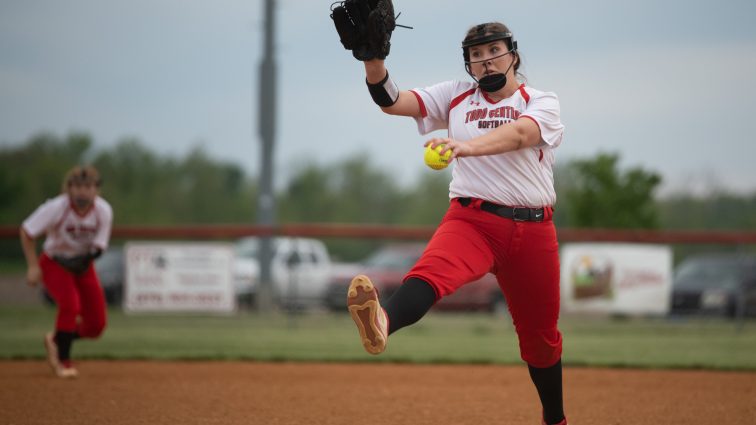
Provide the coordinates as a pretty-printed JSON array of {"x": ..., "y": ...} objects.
[{"x": 512, "y": 213}]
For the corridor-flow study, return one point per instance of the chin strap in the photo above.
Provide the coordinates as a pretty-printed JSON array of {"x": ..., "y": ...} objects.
[{"x": 493, "y": 82}]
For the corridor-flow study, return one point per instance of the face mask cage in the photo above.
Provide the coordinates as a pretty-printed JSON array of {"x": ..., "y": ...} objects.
[
  {"x": 485, "y": 39},
  {"x": 493, "y": 82}
]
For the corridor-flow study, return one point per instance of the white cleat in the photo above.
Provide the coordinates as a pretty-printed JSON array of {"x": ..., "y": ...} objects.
[
  {"x": 61, "y": 370},
  {"x": 52, "y": 352},
  {"x": 67, "y": 371}
]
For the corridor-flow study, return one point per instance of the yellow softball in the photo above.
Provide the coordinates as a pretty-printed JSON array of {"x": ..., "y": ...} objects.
[{"x": 435, "y": 160}]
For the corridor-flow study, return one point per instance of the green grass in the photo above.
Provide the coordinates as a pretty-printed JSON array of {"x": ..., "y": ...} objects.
[{"x": 438, "y": 338}]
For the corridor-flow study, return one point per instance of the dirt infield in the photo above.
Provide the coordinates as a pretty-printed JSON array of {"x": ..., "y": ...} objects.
[{"x": 126, "y": 392}]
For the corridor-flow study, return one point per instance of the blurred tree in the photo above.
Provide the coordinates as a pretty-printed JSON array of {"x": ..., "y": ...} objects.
[
  {"x": 143, "y": 187},
  {"x": 562, "y": 184},
  {"x": 427, "y": 202},
  {"x": 134, "y": 180},
  {"x": 212, "y": 191},
  {"x": 719, "y": 210},
  {"x": 351, "y": 191},
  {"x": 34, "y": 172},
  {"x": 146, "y": 188},
  {"x": 309, "y": 196},
  {"x": 600, "y": 195},
  {"x": 368, "y": 194}
]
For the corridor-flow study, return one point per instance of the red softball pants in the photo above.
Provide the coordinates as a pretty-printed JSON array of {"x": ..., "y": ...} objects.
[
  {"x": 524, "y": 257},
  {"x": 80, "y": 299}
]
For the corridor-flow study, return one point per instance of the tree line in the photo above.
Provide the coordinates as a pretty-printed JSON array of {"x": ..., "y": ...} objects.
[{"x": 147, "y": 188}]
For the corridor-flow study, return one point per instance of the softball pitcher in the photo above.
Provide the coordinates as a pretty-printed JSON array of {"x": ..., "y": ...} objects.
[
  {"x": 77, "y": 226},
  {"x": 502, "y": 135}
]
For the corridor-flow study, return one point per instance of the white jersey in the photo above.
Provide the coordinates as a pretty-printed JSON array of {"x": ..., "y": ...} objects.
[
  {"x": 68, "y": 233},
  {"x": 522, "y": 178}
]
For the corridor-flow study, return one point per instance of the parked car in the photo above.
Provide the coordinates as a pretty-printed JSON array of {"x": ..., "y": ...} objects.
[
  {"x": 300, "y": 270},
  {"x": 110, "y": 267},
  {"x": 715, "y": 284},
  {"x": 387, "y": 267}
]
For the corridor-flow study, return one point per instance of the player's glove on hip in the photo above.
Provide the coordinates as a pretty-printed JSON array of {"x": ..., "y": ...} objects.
[
  {"x": 365, "y": 27},
  {"x": 78, "y": 264}
]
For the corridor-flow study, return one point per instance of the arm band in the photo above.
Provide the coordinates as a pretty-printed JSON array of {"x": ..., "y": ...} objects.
[{"x": 384, "y": 93}]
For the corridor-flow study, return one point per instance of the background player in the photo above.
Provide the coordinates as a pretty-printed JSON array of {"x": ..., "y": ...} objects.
[
  {"x": 502, "y": 134},
  {"x": 77, "y": 226}
]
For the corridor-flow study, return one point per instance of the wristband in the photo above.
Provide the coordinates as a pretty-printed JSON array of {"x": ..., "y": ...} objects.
[{"x": 385, "y": 93}]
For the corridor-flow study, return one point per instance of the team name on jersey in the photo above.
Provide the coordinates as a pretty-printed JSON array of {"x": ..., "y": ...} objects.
[
  {"x": 80, "y": 232},
  {"x": 504, "y": 113}
]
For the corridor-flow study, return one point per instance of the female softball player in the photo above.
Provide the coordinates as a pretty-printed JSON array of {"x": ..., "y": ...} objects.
[
  {"x": 77, "y": 226},
  {"x": 502, "y": 134}
]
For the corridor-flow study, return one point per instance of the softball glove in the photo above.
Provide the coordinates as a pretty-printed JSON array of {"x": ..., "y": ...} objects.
[{"x": 365, "y": 27}]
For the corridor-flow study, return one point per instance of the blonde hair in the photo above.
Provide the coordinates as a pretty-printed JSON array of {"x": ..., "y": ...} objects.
[{"x": 81, "y": 175}]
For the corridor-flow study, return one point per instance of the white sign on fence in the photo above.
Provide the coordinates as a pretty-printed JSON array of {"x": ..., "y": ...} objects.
[
  {"x": 179, "y": 277},
  {"x": 616, "y": 278}
]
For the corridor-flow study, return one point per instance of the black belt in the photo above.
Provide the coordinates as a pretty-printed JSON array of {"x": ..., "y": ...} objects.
[{"x": 512, "y": 213}]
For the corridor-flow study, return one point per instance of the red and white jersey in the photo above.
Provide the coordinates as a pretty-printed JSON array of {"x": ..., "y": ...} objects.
[
  {"x": 68, "y": 233},
  {"x": 522, "y": 178}
]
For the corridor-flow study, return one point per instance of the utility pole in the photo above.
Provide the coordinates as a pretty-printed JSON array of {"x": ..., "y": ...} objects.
[{"x": 266, "y": 205}]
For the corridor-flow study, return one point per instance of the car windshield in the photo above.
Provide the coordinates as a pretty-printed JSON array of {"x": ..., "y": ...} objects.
[
  {"x": 709, "y": 272},
  {"x": 247, "y": 248},
  {"x": 391, "y": 259},
  {"x": 110, "y": 259}
]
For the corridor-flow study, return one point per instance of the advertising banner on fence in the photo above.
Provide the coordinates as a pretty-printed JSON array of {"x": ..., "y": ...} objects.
[
  {"x": 179, "y": 277},
  {"x": 616, "y": 278}
]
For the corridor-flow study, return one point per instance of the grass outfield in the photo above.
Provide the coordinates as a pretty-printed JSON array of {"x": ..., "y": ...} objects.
[{"x": 438, "y": 338}]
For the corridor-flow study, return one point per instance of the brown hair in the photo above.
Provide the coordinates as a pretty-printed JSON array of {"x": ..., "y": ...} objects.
[
  {"x": 81, "y": 175},
  {"x": 490, "y": 28}
]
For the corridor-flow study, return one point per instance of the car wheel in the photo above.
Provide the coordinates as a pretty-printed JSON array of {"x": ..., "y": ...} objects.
[
  {"x": 246, "y": 301},
  {"x": 732, "y": 308},
  {"x": 116, "y": 296},
  {"x": 337, "y": 307}
]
